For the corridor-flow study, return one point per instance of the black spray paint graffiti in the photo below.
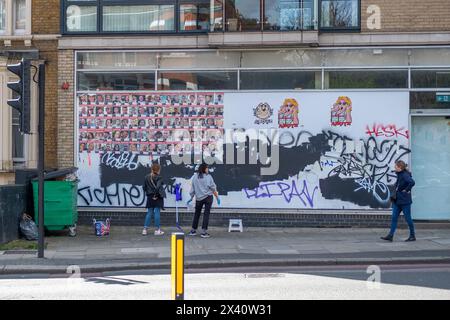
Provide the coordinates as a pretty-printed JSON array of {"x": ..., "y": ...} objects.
[
  {"x": 361, "y": 177},
  {"x": 115, "y": 195},
  {"x": 369, "y": 170},
  {"x": 229, "y": 177}
]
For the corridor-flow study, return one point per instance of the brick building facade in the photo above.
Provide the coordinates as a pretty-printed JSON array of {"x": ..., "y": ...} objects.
[
  {"x": 38, "y": 41},
  {"x": 408, "y": 52}
]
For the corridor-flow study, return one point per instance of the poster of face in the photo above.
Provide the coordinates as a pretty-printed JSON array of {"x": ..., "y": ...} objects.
[{"x": 147, "y": 123}]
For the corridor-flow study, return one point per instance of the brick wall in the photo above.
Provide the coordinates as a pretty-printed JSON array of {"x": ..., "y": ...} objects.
[
  {"x": 45, "y": 17},
  {"x": 409, "y": 15},
  {"x": 65, "y": 119},
  {"x": 275, "y": 220},
  {"x": 48, "y": 51}
]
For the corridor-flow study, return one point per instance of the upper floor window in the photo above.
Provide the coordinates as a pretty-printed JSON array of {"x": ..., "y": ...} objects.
[
  {"x": 15, "y": 17},
  {"x": 20, "y": 16},
  {"x": 109, "y": 16},
  {"x": 339, "y": 15},
  {"x": 135, "y": 18},
  {"x": 270, "y": 15},
  {"x": 2, "y": 16}
]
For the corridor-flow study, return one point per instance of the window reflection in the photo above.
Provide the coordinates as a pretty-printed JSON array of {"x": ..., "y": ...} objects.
[
  {"x": 339, "y": 14},
  {"x": 88, "y": 81},
  {"x": 200, "y": 80},
  {"x": 243, "y": 15},
  {"x": 286, "y": 79},
  {"x": 138, "y": 18},
  {"x": 194, "y": 17}
]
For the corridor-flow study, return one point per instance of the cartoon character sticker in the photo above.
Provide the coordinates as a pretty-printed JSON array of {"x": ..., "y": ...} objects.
[
  {"x": 341, "y": 112},
  {"x": 288, "y": 114},
  {"x": 263, "y": 112}
]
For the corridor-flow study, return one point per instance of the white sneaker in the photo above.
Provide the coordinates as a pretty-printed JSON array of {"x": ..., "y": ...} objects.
[
  {"x": 159, "y": 232},
  {"x": 144, "y": 232}
]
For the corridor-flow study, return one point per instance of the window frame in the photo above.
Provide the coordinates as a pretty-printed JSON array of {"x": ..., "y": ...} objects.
[
  {"x": 337, "y": 30},
  {"x": 16, "y": 31},
  {"x": 5, "y": 26},
  {"x": 177, "y": 17},
  {"x": 101, "y": 3}
]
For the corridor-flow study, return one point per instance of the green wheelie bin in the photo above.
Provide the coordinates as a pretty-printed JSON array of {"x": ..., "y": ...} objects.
[{"x": 60, "y": 205}]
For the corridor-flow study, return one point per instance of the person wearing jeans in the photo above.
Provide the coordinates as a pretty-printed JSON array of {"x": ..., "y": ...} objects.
[
  {"x": 154, "y": 189},
  {"x": 401, "y": 201},
  {"x": 153, "y": 213},
  {"x": 203, "y": 188}
]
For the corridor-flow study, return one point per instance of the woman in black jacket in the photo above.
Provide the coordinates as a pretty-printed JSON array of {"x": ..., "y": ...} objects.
[
  {"x": 402, "y": 200},
  {"x": 154, "y": 189}
]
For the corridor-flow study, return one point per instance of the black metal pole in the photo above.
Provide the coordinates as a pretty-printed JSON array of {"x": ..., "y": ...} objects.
[{"x": 41, "y": 130}]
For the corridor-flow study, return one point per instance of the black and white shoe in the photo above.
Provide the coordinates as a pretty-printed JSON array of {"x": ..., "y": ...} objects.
[
  {"x": 389, "y": 238},
  {"x": 192, "y": 233},
  {"x": 205, "y": 235}
]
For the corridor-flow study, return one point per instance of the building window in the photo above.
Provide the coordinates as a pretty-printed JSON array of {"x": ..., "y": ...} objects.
[
  {"x": 280, "y": 80},
  {"x": 194, "y": 16},
  {"x": 138, "y": 18},
  {"x": 427, "y": 100},
  {"x": 339, "y": 14},
  {"x": 243, "y": 15},
  {"x": 81, "y": 18},
  {"x": 197, "y": 80},
  {"x": 287, "y": 15},
  {"x": 15, "y": 17},
  {"x": 366, "y": 79},
  {"x": 217, "y": 11},
  {"x": 2, "y": 16},
  {"x": 18, "y": 144},
  {"x": 119, "y": 81},
  {"x": 432, "y": 79},
  {"x": 20, "y": 16}
]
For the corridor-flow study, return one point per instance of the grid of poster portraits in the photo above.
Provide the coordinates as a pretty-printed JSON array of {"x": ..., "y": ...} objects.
[{"x": 151, "y": 123}]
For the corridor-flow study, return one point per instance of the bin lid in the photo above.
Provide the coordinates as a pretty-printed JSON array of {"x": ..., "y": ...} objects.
[{"x": 58, "y": 173}]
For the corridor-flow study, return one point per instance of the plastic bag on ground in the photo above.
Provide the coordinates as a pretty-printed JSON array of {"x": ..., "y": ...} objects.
[
  {"x": 101, "y": 228},
  {"x": 28, "y": 228}
]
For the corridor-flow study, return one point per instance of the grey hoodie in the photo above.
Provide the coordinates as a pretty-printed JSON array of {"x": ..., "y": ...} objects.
[{"x": 202, "y": 187}]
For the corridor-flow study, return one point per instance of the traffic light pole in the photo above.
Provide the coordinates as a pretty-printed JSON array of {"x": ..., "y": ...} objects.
[{"x": 41, "y": 130}]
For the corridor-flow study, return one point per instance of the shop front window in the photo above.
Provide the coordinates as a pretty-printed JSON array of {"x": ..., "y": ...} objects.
[
  {"x": 197, "y": 80},
  {"x": 339, "y": 14},
  {"x": 280, "y": 80},
  {"x": 431, "y": 79},
  {"x": 366, "y": 79},
  {"x": 429, "y": 100},
  {"x": 92, "y": 81}
]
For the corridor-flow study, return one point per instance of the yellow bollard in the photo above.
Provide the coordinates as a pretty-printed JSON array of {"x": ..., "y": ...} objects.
[{"x": 178, "y": 266}]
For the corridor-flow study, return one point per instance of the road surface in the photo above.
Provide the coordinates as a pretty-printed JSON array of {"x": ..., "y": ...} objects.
[{"x": 420, "y": 282}]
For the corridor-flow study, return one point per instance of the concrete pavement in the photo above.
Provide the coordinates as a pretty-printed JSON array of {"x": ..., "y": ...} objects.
[{"x": 127, "y": 249}]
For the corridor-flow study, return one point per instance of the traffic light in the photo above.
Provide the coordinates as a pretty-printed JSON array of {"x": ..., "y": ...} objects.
[{"x": 22, "y": 89}]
